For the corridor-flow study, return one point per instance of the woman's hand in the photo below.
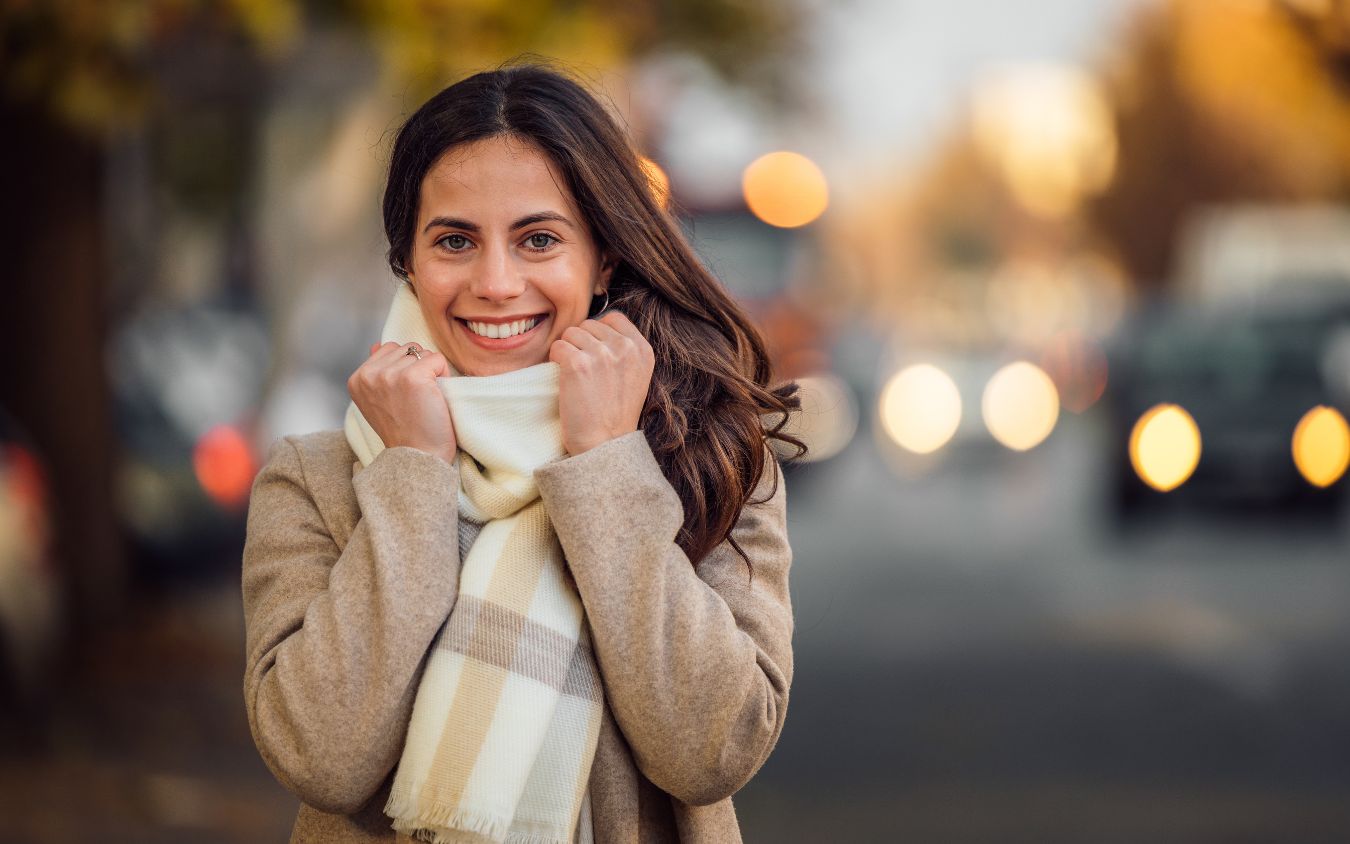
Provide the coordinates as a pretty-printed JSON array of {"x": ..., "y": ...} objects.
[
  {"x": 397, "y": 394},
  {"x": 606, "y": 372}
]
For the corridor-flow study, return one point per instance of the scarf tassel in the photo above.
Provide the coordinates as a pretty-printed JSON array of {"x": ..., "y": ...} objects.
[{"x": 447, "y": 825}]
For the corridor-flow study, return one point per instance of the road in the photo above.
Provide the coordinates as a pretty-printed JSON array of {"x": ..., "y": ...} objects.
[{"x": 982, "y": 656}]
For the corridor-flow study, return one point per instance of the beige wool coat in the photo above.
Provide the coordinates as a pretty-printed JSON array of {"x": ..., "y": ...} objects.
[{"x": 349, "y": 572}]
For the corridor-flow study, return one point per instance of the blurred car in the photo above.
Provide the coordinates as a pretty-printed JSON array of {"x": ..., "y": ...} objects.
[
  {"x": 1246, "y": 375},
  {"x": 187, "y": 381}
]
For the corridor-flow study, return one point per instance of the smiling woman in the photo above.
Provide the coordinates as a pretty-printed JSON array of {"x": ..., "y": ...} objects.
[
  {"x": 536, "y": 589},
  {"x": 502, "y": 264}
]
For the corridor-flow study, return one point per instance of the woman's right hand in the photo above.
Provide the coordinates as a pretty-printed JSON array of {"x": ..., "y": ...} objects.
[{"x": 398, "y": 395}]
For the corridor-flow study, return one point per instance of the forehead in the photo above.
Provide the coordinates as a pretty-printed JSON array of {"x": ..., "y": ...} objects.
[{"x": 502, "y": 174}]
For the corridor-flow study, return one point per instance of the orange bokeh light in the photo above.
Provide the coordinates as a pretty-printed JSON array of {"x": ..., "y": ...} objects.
[
  {"x": 1321, "y": 446},
  {"x": 224, "y": 465},
  {"x": 785, "y": 189}
]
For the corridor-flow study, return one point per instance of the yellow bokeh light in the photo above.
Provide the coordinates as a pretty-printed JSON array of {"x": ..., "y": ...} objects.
[
  {"x": 1021, "y": 405},
  {"x": 658, "y": 179},
  {"x": 1322, "y": 446},
  {"x": 1165, "y": 447},
  {"x": 1049, "y": 130},
  {"x": 920, "y": 408},
  {"x": 785, "y": 189}
]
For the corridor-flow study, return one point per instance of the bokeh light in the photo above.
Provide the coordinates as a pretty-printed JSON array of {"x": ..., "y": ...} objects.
[
  {"x": 785, "y": 189},
  {"x": 1321, "y": 446},
  {"x": 224, "y": 465},
  {"x": 1079, "y": 368},
  {"x": 1050, "y": 132},
  {"x": 920, "y": 408},
  {"x": 1020, "y": 405},
  {"x": 23, "y": 494},
  {"x": 1165, "y": 447}
]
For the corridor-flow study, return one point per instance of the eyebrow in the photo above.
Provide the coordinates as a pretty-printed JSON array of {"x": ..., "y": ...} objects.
[{"x": 527, "y": 220}]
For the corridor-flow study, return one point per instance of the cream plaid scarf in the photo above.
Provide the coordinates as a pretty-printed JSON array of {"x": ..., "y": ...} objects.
[{"x": 507, "y": 716}]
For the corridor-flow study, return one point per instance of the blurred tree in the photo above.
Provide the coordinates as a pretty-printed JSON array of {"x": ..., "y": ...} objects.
[
  {"x": 99, "y": 63},
  {"x": 1325, "y": 24},
  {"x": 1223, "y": 101},
  {"x": 193, "y": 76}
]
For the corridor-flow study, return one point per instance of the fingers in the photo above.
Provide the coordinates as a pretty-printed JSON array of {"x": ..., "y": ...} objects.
[
  {"x": 621, "y": 323},
  {"x": 580, "y": 337},
  {"x": 613, "y": 336},
  {"x": 616, "y": 327},
  {"x": 607, "y": 329},
  {"x": 562, "y": 352},
  {"x": 600, "y": 330},
  {"x": 394, "y": 351},
  {"x": 622, "y": 326},
  {"x": 395, "y": 358},
  {"x": 388, "y": 350},
  {"x": 431, "y": 361},
  {"x": 436, "y": 362}
]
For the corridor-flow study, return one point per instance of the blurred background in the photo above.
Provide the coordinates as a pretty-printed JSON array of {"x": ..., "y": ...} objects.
[{"x": 1066, "y": 285}]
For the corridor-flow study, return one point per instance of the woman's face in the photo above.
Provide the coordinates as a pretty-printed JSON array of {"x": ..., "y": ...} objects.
[{"x": 502, "y": 261}]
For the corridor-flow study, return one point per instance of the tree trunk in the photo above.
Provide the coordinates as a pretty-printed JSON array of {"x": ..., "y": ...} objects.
[{"x": 52, "y": 337}]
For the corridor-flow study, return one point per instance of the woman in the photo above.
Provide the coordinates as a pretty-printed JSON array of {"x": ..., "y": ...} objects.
[{"x": 536, "y": 589}]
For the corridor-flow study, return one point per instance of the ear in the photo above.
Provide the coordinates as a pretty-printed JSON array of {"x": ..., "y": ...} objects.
[
  {"x": 607, "y": 265},
  {"x": 408, "y": 275}
]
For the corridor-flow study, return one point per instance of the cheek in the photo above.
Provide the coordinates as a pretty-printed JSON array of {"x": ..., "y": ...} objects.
[
  {"x": 440, "y": 284},
  {"x": 569, "y": 290}
]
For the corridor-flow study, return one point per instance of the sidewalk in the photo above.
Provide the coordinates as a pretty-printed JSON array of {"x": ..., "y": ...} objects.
[{"x": 146, "y": 738}]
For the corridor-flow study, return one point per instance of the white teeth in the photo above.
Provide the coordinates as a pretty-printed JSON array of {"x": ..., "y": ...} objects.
[{"x": 497, "y": 331}]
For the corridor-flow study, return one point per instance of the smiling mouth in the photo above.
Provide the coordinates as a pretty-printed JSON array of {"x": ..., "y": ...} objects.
[{"x": 501, "y": 330}]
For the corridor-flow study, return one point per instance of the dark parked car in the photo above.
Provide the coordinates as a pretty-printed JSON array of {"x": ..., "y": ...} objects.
[{"x": 1246, "y": 376}]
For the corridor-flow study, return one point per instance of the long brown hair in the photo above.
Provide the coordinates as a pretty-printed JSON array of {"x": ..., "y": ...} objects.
[{"x": 710, "y": 397}]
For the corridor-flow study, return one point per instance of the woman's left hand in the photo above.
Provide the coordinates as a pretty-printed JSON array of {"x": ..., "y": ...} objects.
[{"x": 606, "y": 371}]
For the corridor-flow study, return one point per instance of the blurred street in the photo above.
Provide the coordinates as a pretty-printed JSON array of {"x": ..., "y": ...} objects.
[
  {"x": 978, "y": 659},
  {"x": 1013, "y": 673}
]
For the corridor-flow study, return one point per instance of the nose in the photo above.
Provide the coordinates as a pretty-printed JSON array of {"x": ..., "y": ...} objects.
[{"x": 497, "y": 279}]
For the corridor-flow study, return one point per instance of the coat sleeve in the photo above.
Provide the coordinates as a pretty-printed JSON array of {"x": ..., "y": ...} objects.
[
  {"x": 335, "y": 638},
  {"x": 696, "y": 661}
]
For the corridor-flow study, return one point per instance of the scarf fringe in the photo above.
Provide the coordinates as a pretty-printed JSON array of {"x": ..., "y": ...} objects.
[
  {"x": 440, "y": 824},
  {"x": 535, "y": 838},
  {"x": 444, "y": 826},
  {"x": 447, "y": 824}
]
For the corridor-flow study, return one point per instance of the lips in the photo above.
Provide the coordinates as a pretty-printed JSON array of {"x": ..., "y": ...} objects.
[{"x": 501, "y": 343}]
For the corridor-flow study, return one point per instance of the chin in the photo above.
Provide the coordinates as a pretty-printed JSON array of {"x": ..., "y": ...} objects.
[{"x": 498, "y": 367}]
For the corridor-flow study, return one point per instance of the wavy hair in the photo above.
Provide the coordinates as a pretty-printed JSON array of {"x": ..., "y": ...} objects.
[{"x": 711, "y": 408}]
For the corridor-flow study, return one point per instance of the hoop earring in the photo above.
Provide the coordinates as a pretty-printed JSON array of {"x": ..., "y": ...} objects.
[{"x": 594, "y": 312}]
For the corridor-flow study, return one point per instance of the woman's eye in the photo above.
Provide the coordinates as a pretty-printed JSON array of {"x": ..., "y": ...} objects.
[
  {"x": 455, "y": 242},
  {"x": 540, "y": 241}
]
